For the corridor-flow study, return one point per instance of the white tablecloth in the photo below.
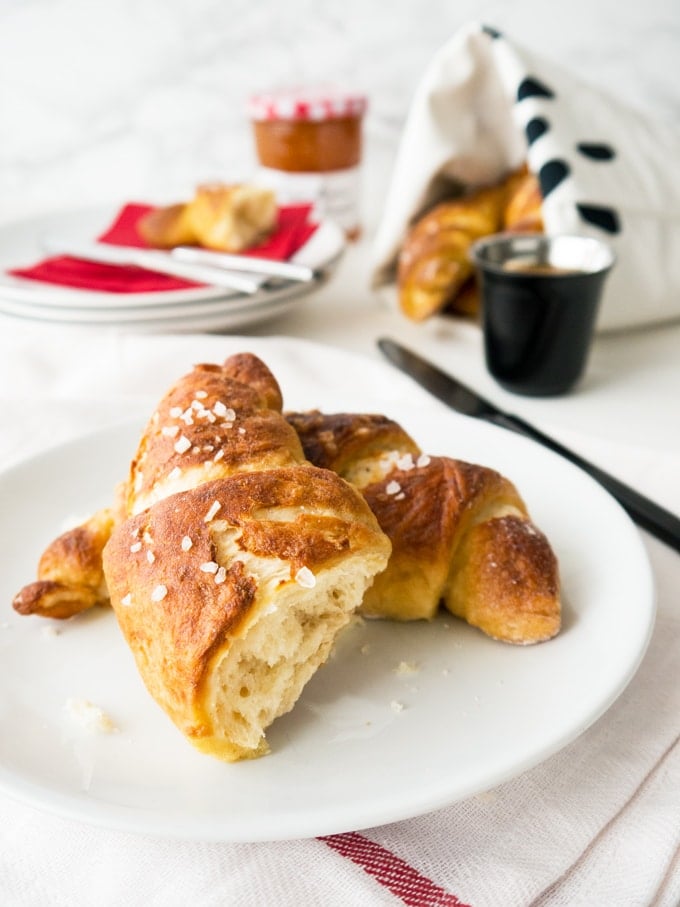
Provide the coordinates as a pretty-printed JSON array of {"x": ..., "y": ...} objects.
[{"x": 598, "y": 823}]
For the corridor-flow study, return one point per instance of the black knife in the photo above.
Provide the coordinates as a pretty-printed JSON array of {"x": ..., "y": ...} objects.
[{"x": 659, "y": 522}]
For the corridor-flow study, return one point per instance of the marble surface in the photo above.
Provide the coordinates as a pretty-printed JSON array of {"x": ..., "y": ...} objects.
[
  {"x": 142, "y": 100},
  {"x": 109, "y": 101}
]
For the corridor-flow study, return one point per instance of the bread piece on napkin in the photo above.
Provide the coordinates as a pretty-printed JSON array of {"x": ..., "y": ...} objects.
[
  {"x": 461, "y": 534},
  {"x": 165, "y": 228},
  {"x": 232, "y": 218},
  {"x": 226, "y": 218}
]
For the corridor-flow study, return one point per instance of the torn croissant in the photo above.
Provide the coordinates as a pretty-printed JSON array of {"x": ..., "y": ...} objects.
[
  {"x": 461, "y": 534},
  {"x": 236, "y": 563}
]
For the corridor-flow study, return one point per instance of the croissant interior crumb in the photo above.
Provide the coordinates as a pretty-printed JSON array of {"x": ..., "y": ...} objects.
[{"x": 264, "y": 671}]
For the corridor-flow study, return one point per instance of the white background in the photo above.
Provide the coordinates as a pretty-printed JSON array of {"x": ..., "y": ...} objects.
[{"x": 142, "y": 99}]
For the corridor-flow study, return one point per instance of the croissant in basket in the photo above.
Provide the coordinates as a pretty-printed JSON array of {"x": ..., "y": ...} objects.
[
  {"x": 461, "y": 534},
  {"x": 434, "y": 269},
  {"x": 236, "y": 563}
]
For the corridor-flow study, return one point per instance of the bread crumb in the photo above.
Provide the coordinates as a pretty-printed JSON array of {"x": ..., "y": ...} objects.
[
  {"x": 397, "y": 706},
  {"x": 89, "y": 716},
  {"x": 406, "y": 667}
]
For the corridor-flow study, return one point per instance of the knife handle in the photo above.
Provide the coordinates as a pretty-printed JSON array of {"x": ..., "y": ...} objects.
[{"x": 655, "y": 519}]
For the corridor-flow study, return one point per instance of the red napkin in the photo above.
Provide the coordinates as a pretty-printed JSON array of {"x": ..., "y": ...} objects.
[{"x": 293, "y": 230}]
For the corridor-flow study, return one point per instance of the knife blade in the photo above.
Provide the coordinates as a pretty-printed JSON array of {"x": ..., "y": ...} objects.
[
  {"x": 286, "y": 270},
  {"x": 660, "y": 522},
  {"x": 152, "y": 260}
]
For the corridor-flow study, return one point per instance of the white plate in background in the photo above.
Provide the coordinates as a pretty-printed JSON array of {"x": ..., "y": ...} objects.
[{"x": 199, "y": 308}]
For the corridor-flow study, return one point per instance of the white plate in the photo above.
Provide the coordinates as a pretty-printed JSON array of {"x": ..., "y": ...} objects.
[
  {"x": 21, "y": 245},
  {"x": 209, "y": 315},
  {"x": 476, "y": 713}
]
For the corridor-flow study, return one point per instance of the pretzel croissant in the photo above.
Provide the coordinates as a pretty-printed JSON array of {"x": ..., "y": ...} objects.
[
  {"x": 434, "y": 269},
  {"x": 461, "y": 534},
  {"x": 238, "y": 561}
]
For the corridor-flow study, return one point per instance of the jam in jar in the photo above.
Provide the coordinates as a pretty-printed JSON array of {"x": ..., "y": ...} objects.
[{"x": 309, "y": 146}]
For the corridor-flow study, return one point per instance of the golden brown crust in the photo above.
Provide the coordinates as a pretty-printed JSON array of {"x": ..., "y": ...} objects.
[
  {"x": 447, "y": 520},
  {"x": 211, "y": 424},
  {"x": 425, "y": 511},
  {"x": 337, "y": 441},
  {"x": 167, "y": 227},
  {"x": 70, "y": 574},
  {"x": 523, "y": 206},
  {"x": 505, "y": 581},
  {"x": 434, "y": 261},
  {"x": 232, "y": 218}
]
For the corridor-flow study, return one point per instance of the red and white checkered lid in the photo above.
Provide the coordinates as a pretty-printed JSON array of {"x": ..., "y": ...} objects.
[{"x": 306, "y": 104}]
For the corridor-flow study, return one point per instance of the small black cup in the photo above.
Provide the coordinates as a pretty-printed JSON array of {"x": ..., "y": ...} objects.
[{"x": 540, "y": 299}]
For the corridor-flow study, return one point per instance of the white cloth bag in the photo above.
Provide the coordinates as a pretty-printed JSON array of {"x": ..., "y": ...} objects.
[{"x": 485, "y": 105}]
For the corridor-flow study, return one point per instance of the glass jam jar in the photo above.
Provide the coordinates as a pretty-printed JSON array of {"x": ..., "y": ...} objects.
[{"x": 309, "y": 146}]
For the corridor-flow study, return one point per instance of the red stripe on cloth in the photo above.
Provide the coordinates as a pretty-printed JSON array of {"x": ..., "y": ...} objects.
[{"x": 395, "y": 874}]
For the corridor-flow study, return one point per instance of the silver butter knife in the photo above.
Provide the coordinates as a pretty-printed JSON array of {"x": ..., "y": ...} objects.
[
  {"x": 152, "y": 260},
  {"x": 655, "y": 519},
  {"x": 285, "y": 270}
]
